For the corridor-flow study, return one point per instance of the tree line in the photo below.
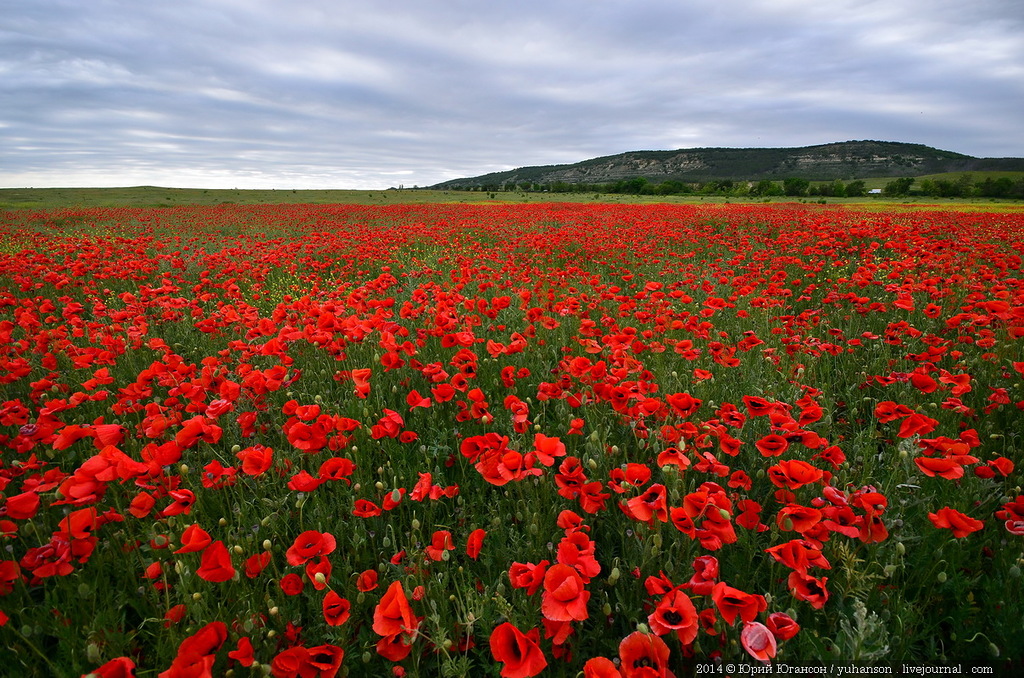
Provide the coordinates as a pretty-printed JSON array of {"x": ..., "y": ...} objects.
[{"x": 962, "y": 187}]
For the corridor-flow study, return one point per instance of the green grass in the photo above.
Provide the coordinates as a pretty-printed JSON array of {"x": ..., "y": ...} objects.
[{"x": 155, "y": 196}]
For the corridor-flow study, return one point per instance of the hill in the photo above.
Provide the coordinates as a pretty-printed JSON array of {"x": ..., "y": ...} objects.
[{"x": 845, "y": 160}]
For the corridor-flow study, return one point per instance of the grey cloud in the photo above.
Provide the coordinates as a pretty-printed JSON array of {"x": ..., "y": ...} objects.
[{"x": 324, "y": 94}]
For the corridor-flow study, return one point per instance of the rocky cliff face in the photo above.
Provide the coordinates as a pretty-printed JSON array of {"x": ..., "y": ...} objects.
[{"x": 846, "y": 160}]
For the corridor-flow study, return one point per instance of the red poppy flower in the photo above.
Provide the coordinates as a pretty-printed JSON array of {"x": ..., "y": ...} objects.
[
  {"x": 243, "y": 654},
  {"x": 807, "y": 588},
  {"x": 705, "y": 572},
  {"x": 577, "y": 550},
  {"x": 336, "y": 609},
  {"x": 944, "y": 467},
  {"x": 772, "y": 445},
  {"x": 393, "y": 615},
  {"x": 758, "y": 406},
  {"x": 758, "y": 641},
  {"x": 644, "y": 655},
  {"x": 308, "y": 545},
  {"x": 565, "y": 596},
  {"x": 793, "y": 474},
  {"x": 527, "y": 576},
  {"x": 546, "y": 448},
  {"x": 323, "y": 661},
  {"x": 322, "y": 566},
  {"x": 121, "y": 667},
  {"x": 650, "y": 506},
  {"x": 951, "y": 519},
  {"x": 797, "y": 518},
  {"x": 216, "y": 563},
  {"x": 289, "y": 663},
  {"x": 732, "y": 602},
  {"x": 675, "y": 612},
  {"x": 256, "y": 460},
  {"x": 519, "y": 652},
  {"x": 600, "y": 667},
  {"x": 364, "y": 508},
  {"x": 916, "y": 424},
  {"x": 440, "y": 542},
  {"x": 195, "y": 655},
  {"x": 291, "y": 584},
  {"x": 367, "y": 580},
  {"x": 256, "y": 563},
  {"x": 782, "y": 626},
  {"x": 475, "y": 543},
  {"x": 194, "y": 539}
]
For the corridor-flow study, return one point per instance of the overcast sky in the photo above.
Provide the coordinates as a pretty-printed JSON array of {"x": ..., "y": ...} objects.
[{"x": 339, "y": 94}]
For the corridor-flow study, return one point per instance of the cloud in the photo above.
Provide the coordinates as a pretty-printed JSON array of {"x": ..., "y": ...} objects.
[{"x": 341, "y": 94}]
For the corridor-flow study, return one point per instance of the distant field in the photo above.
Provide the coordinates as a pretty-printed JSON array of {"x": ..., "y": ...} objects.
[
  {"x": 153, "y": 196},
  {"x": 976, "y": 177}
]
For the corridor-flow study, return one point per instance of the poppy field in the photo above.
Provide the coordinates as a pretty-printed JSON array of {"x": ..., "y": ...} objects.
[{"x": 508, "y": 440}]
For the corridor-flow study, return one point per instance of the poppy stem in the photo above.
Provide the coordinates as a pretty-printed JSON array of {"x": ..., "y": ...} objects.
[{"x": 31, "y": 645}]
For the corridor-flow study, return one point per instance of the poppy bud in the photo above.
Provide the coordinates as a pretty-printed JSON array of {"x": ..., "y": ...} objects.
[
  {"x": 319, "y": 578},
  {"x": 386, "y": 542},
  {"x": 379, "y": 485},
  {"x": 941, "y": 577},
  {"x": 238, "y": 549},
  {"x": 273, "y": 611},
  {"x": 642, "y": 628},
  {"x": 222, "y": 522},
  {"x": 592, "y": 463},
  {"x": 415, "y": 524},
  {"x": 267, "y": 545},
  {"x": 92, "y": 653},
  {"x": 615, "y": 449},
  {"x": 614, "y": 576},
  {"x": 197, "y": 596},
  {"x": 1014, "y": 572},
  {"x": 366, "y": 657},
  {"x": 594, "y": 438},
  {"x": 183, "y": 469},
  {"x": 994, "y": 649}
]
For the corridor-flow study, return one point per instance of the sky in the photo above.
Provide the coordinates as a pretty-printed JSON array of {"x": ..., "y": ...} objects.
[{"x": 366, "y": 95}]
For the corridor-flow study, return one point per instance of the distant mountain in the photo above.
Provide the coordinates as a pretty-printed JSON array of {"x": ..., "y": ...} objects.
[{"x": 845, "y": 160}]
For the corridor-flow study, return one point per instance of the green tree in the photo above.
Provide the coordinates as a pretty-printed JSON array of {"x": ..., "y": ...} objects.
[
  {"x": 766, "y": 187},
  {"x": 856, "y": 189},
  {"x": 898, "y": 187},
  {"x": 795, "y": 186}
]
